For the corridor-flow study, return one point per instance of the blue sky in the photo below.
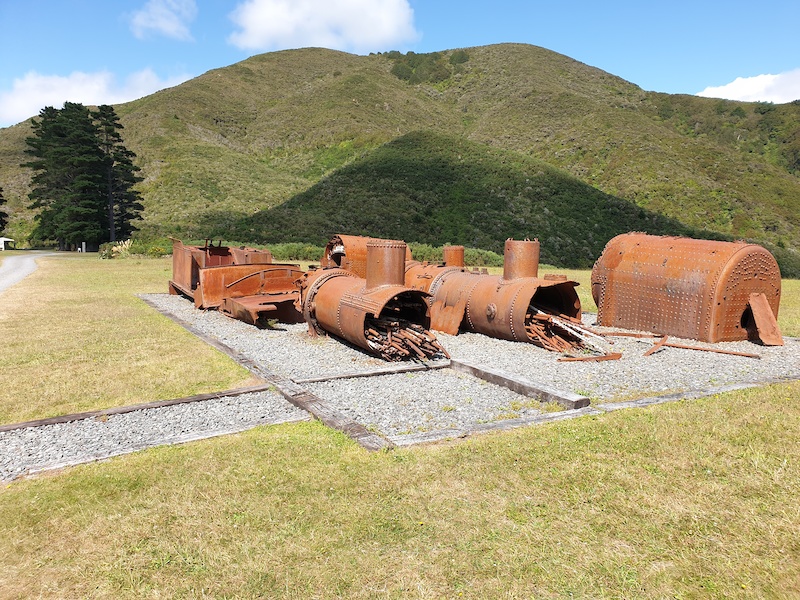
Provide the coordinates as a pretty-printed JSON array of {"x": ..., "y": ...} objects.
[{"x": 111, "y": 51}]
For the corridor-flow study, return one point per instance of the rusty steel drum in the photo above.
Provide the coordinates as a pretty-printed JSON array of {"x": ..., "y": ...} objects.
[
  {"x": 499, "y": 306},
  {"x": 694, "y": 289},
  {"x": 338, "y": 301},
  {"x": 349, "y": 252}
]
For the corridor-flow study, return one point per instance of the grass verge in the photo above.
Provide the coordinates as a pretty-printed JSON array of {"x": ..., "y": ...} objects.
[
  {"x": 686, "y": 500},
  {"x": 76, "y": 337}
]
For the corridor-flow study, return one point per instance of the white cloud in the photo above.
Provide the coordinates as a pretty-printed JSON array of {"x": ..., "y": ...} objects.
[
  {"x": 169, "y": 18},
  {"x": 781, "y": 88},
  {"x": 34, "y": 91},
  {"x": 351, "y": 25}
]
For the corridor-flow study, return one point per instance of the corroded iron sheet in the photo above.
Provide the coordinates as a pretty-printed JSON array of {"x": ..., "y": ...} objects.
[
  {"x": 378, "y": 313},
  {"x": 349, "y": 252},
  {"x": 695, "y": 289},
  {"x": 506, "y": 307}
]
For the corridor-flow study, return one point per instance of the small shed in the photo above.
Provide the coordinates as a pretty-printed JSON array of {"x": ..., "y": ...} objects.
[
  {"x": 4, "y": 241},
  {"x": 696, "y": 289}
]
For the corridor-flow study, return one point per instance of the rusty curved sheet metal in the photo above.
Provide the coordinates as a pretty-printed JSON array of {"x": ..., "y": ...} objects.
[
  {"x": 682, "y": 287},
  {"x": 188, "y": 260},
  {"x": 349, "y": 252},
  {"x": 377, "y": 313},
  {"x": 504, "y": 306},
  {"x": 242, "y": 283}
]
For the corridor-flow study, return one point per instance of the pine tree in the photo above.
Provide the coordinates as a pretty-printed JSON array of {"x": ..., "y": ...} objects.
[
  {"x": 123, "y": 202},
  {"x": 3, "y": 214},
  {"x": 83, "y": 176}
]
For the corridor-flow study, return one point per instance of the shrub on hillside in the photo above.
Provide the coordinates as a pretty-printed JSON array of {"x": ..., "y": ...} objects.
[{"x": 295, "y": 251}]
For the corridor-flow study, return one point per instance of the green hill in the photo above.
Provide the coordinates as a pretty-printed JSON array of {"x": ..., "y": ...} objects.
[
  {"x": 383, "y": 133},
  {"x": 429, "y": 188}
]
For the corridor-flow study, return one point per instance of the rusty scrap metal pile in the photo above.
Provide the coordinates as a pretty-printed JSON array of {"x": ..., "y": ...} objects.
[{"x": 372, "y": 293}]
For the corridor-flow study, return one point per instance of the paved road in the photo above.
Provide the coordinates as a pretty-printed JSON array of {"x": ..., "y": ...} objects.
[{"x": 16, "y": 268}]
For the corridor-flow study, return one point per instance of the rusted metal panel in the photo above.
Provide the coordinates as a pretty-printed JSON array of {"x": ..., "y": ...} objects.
[
  {"x": 217, "y": 283},
  {"x": 349, "y": 252},
  {"x": 187, "y": 261},
  {"x": 695, "y": 289},
  {"x": 242, "y": 282},
  {"x": 377, "y": 313},
  {"x": 505, "y": 307},
  {"x": 766, "y": 326}
]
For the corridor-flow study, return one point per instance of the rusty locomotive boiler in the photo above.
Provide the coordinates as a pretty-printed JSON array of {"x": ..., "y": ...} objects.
[
  {"x": 243, "y": 283},
  {"x": 376, "y": 312},
  {"x": 349, "y": 252},
  {"x": 517, "y": 305},
  {"x": 697, "y": 289}
]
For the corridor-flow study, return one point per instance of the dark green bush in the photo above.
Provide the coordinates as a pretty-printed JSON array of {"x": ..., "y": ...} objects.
[{"x": 459, "y": 57}]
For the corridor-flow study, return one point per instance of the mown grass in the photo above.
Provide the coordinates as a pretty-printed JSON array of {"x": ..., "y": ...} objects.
[
  {"x": 75, "y": 337},
  {"x": 688, "y": 500}
]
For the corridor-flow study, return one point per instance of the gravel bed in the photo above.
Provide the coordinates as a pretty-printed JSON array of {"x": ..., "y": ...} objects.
[
  {"x": 634, "y": 375},
  {"x": 294, "y": 354},
  {"x": 395, "y": 405},
  {"x": 422, "y": 401},
  {"x": 288, "y": 350},
  {"x": 24, "y": 451}
]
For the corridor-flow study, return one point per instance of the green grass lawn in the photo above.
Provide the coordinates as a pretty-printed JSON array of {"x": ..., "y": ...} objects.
[
  {"x": 692, "y": 499},
  {"x": 76, "y": 337},
  {"x": 686, "y": 500}
]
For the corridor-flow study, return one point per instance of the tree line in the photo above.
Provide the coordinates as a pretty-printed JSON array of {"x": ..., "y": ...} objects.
[{"x": 84, "y": 177}]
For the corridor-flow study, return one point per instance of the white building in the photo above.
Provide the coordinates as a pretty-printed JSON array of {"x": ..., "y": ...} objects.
[{"x": 3, "y": 241}]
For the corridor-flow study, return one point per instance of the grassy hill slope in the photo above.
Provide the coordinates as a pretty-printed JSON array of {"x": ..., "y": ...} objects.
[
  {"x": 223, "y": 148},
  {"x": 430, "y": 188}
]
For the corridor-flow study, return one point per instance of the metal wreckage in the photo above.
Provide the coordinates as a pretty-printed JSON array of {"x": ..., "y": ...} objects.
[{"x": 373, "y": 294}]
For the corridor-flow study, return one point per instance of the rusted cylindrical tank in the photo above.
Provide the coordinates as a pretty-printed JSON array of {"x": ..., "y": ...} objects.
[
  {"x": 695, "y": 289},
  {"x": 349, "y": 252},
  {"x": 520, "y": 259},
  {"x": 494, "y": 305},
  {"x": 453, "y": 256},
  {"x": 378, "y": 313}
]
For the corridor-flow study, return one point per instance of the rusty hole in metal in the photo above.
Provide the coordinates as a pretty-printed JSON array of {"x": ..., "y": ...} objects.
[
  {"x": 748, "y": 323},
  {"x": 401, "y": 332}
]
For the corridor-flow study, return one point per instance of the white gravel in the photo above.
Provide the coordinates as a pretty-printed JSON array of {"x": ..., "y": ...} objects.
[
  {"x": 391, "y": 405},
  {"x": 24, "y": 451}
]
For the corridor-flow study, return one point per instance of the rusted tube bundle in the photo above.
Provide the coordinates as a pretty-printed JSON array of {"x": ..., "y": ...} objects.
[
  {"x": 506, "y": 307},
  {"x": 696, "y": 289},
  {"x": 376, "y": 313}
]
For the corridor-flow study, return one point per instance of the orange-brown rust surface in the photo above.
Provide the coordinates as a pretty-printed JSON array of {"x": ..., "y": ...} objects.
[{"x": 695, "y": 289}]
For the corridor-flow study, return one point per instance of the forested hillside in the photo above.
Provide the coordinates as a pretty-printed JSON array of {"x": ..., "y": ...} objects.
[{"x": 466, "y": 146}]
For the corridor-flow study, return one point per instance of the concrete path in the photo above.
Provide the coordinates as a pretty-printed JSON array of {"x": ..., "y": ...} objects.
[{"x": 16, "y": 268}]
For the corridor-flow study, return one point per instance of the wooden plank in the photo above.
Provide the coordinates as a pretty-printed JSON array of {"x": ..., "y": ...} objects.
[
  {"x": 119, "y": 410},
  {"x": 427, "y": 437},
  {"x": 377, "y": 371},
  {"x": 521, "y": 385}
]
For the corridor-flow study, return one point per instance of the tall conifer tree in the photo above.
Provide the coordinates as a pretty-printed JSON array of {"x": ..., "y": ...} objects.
[
  {"x": 83, "y": 176},
  {"x": 123, "y": 202},
  {"x": 3, "y": 214}
]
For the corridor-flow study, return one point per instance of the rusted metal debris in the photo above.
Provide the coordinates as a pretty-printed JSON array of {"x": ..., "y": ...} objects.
[
  {"x": 592, "y": 357},
  {"x": 517, "y": 305},
  {"x": 378, "y": 312},
  {"x": 243, "y": 283},
  {"x": 662, "y": 343},
  {"x": 349, "y": 252},
  {"x": 694, "y": 289}
]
